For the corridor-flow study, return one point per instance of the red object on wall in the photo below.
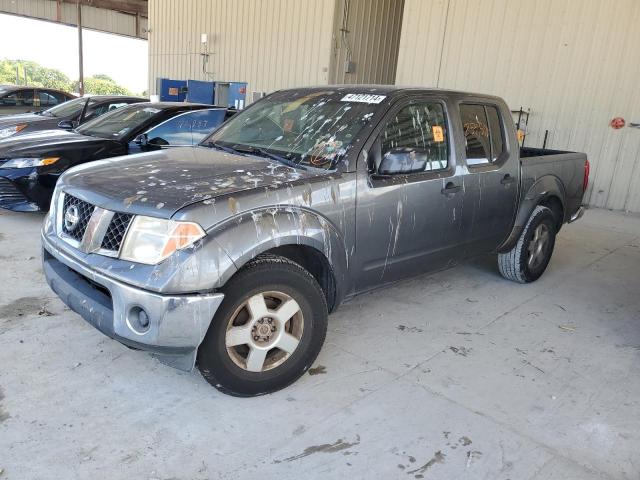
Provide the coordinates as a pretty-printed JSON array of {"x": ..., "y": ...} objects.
[{"x": 617, "y": 123}]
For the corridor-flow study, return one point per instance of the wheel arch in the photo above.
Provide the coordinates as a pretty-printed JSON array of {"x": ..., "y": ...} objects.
[
  {"x": 298, "y": 234},
  {"x": 547, "y": 191}
]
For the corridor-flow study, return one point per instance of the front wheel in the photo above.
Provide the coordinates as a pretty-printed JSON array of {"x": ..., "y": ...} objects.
[
  {"x": 267, "y": 332},
  {"x": 529, "y": 258}
]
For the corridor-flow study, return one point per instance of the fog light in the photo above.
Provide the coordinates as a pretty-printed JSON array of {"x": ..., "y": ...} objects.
[{"x": 138, "y": 320}]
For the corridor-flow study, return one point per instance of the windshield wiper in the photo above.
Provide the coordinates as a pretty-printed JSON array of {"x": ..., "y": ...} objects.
[
  {"x": 249, "y": 150},
  {"x": 222, "y": 147},
  {"x": 265, "y": 153}
]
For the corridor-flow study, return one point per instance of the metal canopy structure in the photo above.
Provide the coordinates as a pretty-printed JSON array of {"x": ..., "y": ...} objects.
[{"x": 121, "y": 17}]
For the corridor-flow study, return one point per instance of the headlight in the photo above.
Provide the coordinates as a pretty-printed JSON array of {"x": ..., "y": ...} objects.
[
  {"x": 150, "y": 240},
  {"x": 29, "y": 162},
  {"x": 8, "y": 131}
]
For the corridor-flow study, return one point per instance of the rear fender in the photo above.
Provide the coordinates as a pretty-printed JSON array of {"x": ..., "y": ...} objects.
[{"x": 542, "y": 189}]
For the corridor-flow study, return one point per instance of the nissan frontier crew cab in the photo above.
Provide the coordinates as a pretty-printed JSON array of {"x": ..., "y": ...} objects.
[{"x": 230, "y": 255}]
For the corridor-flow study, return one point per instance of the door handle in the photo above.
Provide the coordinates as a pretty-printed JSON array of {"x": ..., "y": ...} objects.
[
  {"x": 450, "y": 189},
  {"x": 507, "y": 179}
]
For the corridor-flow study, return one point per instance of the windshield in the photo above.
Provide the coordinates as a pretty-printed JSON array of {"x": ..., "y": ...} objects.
[
  {"x": 118, "y": 123},
  {"x": 307, "y": 129},
  {"x": 72, "y": 108}
]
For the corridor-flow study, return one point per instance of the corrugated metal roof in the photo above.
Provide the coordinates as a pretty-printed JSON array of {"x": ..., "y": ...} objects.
[{"x": 92, "y": 18}]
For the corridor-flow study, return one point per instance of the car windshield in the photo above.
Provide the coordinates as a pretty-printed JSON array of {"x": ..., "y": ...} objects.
[
  {"x": 299, "y": 128},
  {"x": 72, "y": 108},
  {"x": 118, "y": 123}
]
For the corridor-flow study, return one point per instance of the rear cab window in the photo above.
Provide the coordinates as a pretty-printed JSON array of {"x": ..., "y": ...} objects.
[{"x": 484, "y": 139}]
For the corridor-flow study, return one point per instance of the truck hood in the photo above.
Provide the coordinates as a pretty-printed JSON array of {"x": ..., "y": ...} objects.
[
  {"x": 160, "y": 183},
  {"x": 45, "y": 142}
]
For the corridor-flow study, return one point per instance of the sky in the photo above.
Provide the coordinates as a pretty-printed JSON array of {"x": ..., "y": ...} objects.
[{"x": 56, "y": 46}]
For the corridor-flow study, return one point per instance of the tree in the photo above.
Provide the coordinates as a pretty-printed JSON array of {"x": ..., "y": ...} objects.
[
  {"x": 39, "y": 76},
  {"x": 102, "y": 85},
  {"x": 36, "y": 75}
]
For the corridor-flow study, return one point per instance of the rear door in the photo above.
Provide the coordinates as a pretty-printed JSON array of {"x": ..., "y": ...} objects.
[
  {"x": 408, "y": 222},
  {"x": 491, "y": 185}
]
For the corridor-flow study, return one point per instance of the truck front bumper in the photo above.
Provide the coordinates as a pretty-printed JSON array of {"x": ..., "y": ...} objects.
[{"x": 170, "y": 326}]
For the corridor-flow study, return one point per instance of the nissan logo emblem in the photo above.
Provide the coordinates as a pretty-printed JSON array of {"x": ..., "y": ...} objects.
[{"x": 71, "y": 218}]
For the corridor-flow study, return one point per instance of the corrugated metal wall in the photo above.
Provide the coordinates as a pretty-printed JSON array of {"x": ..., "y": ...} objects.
[
  {"x": 373, "y": 36},
  {"x": 270, "y": 44},
  {"x": 93, "y": 18},
  {"x": 575, "y": 63}
]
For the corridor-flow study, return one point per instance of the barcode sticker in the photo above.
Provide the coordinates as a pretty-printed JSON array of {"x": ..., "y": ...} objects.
[{"x": 363, "y": 98}]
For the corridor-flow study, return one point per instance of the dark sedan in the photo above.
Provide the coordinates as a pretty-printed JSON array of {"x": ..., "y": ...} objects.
[
  {"x": 67, "y": 115},
  {"x": 21, "y": 99},
  {"x": 31, "y": 164}
]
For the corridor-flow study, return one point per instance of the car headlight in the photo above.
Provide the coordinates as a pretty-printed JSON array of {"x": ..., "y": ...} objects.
[
  {"x": 150, "y": 240},
  {"x": 8, "y": 131},
  {"x": 29, "y": 162}
]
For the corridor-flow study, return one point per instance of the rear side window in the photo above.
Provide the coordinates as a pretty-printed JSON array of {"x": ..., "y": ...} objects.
[
  {"x": 20, "y": 98},
  {"x": 482, "y": 133},
  {"x": 186, "y": 129},
  {"x": 420, "y": 130}
]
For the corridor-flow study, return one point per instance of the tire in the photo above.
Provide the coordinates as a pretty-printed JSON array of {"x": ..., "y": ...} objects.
[
  {"x": 234, "y": 368},
  {"x": 517, "y": 264}
]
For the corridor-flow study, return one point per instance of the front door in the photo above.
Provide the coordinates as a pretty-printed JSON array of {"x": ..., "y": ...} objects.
[{"x": 409, "y": 196}]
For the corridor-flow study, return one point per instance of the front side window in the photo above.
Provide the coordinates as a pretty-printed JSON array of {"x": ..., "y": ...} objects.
[
  {"x": 60, "y": 97},
  {"x": 416, "y": 136},
  {"x": 47, "y": 100},
  {"x": 95, "y": 109},
  {"x": 310, "y": 129},
  {"x": 187, "y": 128},
  {"x": 117, "y": 124},
  {"x": 482, "y": 133}
]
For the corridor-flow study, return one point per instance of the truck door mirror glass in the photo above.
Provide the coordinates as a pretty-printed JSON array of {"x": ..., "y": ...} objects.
[
  {"x": 67, "y": 124},
  {"x": 403, "y": 160},
  {"x": 141, "y": 140}
]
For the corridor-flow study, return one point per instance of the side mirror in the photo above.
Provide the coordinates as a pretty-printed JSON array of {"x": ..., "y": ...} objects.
[
  {"x": 141, "y": 140},
  {"x": 67, "y": 125},
  {"x": 403, "y": 160}
]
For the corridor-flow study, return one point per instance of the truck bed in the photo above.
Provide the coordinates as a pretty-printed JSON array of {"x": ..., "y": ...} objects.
[{"x": 568, "y": 167}]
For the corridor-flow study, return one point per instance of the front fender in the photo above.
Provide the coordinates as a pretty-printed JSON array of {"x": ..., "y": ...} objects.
[
  {"x": 535, "y": 193},
  {"x": 249, "y": 234}
]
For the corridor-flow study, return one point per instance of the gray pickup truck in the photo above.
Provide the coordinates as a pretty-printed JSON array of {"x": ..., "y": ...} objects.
[{"x": 231, "y": 255}]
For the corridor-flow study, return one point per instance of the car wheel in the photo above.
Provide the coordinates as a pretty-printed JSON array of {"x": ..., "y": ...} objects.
[
  {"x": 268, "y": 330},
  {"x": 529, "y": 258}
]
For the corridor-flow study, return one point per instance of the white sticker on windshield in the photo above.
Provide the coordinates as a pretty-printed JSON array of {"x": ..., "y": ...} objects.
[{"x": 363, "y": 98}]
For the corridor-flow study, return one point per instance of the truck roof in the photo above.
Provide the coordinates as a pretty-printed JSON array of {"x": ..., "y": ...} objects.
[{"x": 389, "y": 90}]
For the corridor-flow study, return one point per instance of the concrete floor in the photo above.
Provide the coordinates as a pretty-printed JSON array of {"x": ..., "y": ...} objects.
[{"x": 460, "y": 374}]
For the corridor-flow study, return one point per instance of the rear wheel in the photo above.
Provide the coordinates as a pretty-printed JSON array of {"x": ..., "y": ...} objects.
[
  {"x": 529, "y": 258},
  {"x": 267, "y": 332}
]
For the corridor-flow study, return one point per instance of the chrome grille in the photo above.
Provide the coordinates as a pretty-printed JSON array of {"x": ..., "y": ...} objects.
[
  {"x": 116, "y": 231},
  {"x": 82, "y": 213}
]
